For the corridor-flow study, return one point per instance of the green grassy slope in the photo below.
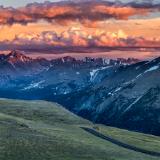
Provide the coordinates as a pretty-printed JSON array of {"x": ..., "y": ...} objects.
[
  {"x": 39, "y": 130},
  {"x": 145, "y": 141}
]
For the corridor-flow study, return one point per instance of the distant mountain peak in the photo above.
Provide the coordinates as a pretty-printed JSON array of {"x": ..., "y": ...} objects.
[
  {"x": 68, "y": 59},
  {"x": 17, "y": 57}
]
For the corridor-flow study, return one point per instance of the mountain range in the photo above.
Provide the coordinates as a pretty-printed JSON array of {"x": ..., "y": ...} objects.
[{"x": 124, "y": 93}]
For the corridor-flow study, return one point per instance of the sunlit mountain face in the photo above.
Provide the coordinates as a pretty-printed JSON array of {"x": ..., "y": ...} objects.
[{"x": 81, "y": 28}]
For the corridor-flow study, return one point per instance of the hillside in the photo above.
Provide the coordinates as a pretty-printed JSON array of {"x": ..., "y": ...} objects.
[{"x": 41, "y": 130}]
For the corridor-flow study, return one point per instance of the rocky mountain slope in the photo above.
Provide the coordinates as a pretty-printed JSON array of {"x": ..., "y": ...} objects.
[{"x": 129, "y": 98}]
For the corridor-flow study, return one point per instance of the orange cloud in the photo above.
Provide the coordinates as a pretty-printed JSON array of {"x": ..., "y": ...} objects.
[
  {"x": 63, "y": 12},
  {"x": 120, "y": 12},
  {"x": 75, "y": 37}
]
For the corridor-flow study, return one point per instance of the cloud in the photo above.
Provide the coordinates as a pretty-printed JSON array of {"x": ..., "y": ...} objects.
[
  {"x": 74, "y": 38},
  {"x": 68, "y": 11}
]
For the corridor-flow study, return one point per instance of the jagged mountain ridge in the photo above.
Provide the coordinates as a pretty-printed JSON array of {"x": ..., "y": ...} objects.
[
  {"x": 15, "y": 66},
  {"x": 16, "y": 59},
  {"x": 18, "y": 62}
]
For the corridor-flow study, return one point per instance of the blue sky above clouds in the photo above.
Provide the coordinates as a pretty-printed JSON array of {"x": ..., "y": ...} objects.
[{"x": 17, "y": 3}]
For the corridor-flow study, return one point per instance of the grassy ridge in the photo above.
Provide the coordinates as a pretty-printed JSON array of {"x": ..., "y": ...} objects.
[
  {"x": 145, "y": 141},
  {"x": 39, "y": 130}
]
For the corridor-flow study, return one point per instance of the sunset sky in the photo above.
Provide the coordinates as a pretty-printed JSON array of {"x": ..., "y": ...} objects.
[{"x": 56, "y": 28}]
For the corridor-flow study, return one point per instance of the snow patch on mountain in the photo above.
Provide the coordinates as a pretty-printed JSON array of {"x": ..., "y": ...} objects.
[
  {"x": 118, "y": 89},
  {"x": 34, "y": 85},
  {"x": 152, "y": 69},
  {"x": 94, "y": 72},
  {"x": 132, "y": 104},
  {"x": 141, "y": 74}
]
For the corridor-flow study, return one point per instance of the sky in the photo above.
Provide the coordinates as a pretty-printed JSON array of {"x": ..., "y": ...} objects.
[
  {"x": 88, "y": 28},
  {"x": 19, "y": 3}
]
